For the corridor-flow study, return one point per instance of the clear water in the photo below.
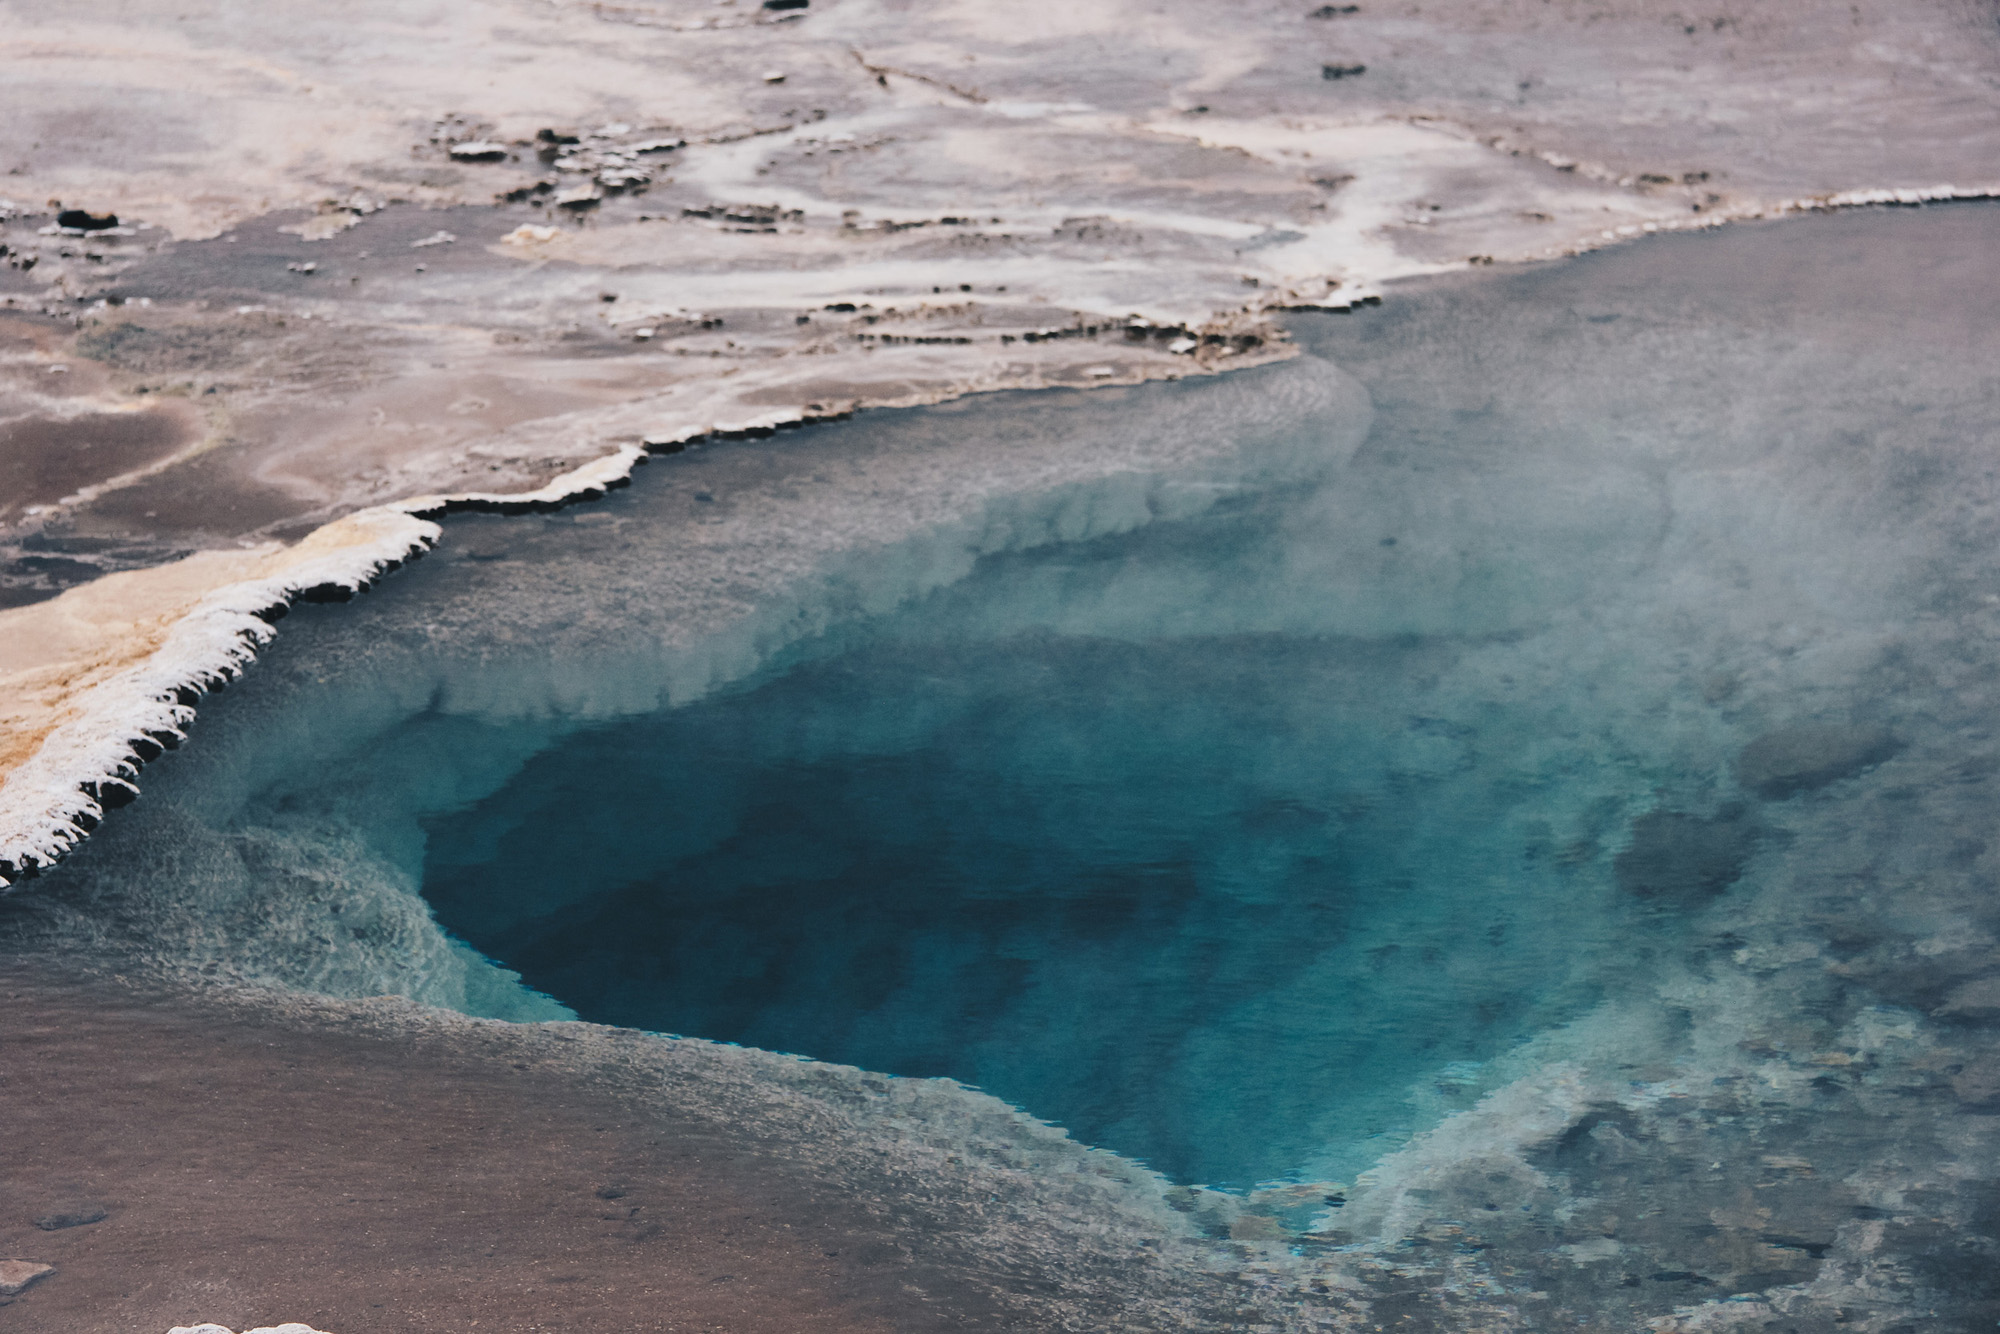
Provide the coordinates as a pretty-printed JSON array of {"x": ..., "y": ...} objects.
[{"x": 1536, "y": 673}]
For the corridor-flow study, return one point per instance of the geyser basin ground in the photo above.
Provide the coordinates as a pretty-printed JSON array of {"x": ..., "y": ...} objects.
[{"x": 1544, "y": 736}]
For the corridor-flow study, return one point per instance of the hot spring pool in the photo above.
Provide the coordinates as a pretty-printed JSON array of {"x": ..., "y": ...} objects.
[{"x": 1577, "y": 686}]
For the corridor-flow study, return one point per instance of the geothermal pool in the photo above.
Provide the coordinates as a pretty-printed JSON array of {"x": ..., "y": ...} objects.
[{"x": 1578, "y": 680}]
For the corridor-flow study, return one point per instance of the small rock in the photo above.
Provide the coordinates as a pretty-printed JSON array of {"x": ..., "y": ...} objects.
[
  {"x": 16, "y": 1275},
  {"x": 775, "y": 76},
  {"x": 787, "y": 4},
  {"x": 1342, "y": 71},
  {"x": 479, "y": 150},
  {"x": 530, "y": 234},
  {"x": 1591, "y": 1251},
  {"x": 84, "y": 220},
  {"x": 1805, "y": 756},
  {"x": 72, "y": 1215},
  {"x": 1182, "y": 346},
  {"x": 1255, "y": 1227},
  {"x": 435, "y": 238}
]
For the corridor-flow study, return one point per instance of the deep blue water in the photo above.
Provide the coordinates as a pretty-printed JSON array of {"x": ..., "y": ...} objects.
[{"x": 1214, "y": 900}]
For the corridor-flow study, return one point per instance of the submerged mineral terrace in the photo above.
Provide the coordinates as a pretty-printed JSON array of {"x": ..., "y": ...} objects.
[{"x": 283, "y": 287}]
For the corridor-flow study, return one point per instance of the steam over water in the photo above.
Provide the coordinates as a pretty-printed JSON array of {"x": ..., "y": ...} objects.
[{"x": 1579, "y": 684}]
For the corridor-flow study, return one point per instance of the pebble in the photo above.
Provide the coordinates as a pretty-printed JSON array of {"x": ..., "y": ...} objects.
[
  {"x": 72, "y": 1215},
  {"x": 16, "y": 1275}
]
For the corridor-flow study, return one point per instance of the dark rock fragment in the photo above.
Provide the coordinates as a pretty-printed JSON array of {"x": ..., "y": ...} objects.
[
  {"x": 787, "y": 4},
  {"x": 111, "y": 794},
  {"x": 83, "y": 220},
  {"x": 81, "y": 1214},
  {"x": 1342, "y": 71},
  {"x": 1806, "y": 756}
]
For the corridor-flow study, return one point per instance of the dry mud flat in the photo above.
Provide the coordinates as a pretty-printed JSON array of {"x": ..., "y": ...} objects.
[{"x": 178, "y": 1161}]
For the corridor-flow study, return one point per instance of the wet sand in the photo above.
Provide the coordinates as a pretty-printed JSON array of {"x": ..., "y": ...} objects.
[{"x": 252, "y": 1169}]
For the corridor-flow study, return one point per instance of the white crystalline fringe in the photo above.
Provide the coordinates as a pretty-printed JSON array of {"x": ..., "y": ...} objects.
[
  {"x": 1936, "y": 194},
  {"x": 50, "y": 803},
  {"x": 587, "y": 482}
]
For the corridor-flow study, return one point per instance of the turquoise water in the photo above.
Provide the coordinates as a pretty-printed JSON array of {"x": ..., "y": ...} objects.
[
  {"x": 1216, "y": 900},
  {"x": 1245, "y": 774}
]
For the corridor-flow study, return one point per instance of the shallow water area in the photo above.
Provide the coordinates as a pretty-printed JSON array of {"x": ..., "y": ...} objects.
[{"x": 1513, "y": 783}]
